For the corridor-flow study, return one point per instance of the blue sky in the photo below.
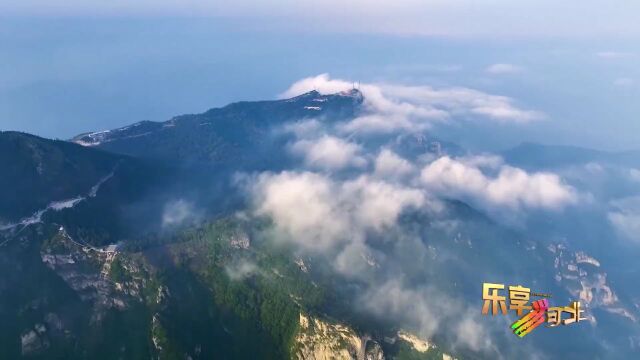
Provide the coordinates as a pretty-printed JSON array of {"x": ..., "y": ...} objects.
[{"x": 69, "y": 67}]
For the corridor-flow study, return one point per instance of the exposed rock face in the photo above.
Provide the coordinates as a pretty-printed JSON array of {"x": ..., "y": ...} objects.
[
  {"x": 421, "y": 345},
  {"x": 581, "y": 257},
  {"x": 84, "y": 269},
  {"x": 373, "y": 351},
  {"x": 162, "y": 295},
  {"x": 240, "y": 240},
  {"x": 88, "y": 271},
  {"x": 301, "y": 265},
  {"x": 585, "y": 280},
  {"x": 321, "y": 340},
  {"x": 155, "y": 329},
  {"x": 34, "y": 341},
  {"x": 418, "y": 344}
]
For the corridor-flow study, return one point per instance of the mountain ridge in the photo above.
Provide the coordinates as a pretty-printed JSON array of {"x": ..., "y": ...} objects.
[
  {"x": 38, "y": 171},
  {"x": 535, "y": 155},
  {"x": 220, "y": 133}
]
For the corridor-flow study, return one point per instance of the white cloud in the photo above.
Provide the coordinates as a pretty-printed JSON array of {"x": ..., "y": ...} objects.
[
  {"x": 318, "y": 212},
  {"x": 303, "y": 206},
  {"x": 625, "y": 217},
  {"x": 471, "y": 332},
  {"x": 464, "y": 101},
  {"x": 241, "y": 269},
  {"x": 321, "y": 83},
  {"x": 180, "y": 212},
  {"x": 428, "y": 311},
  {"x": 345, "y": 217},
  {"x": 329, "y": 153},
  {"x": 634, "y": 174},
  {"x": 393, "y": 299},
  {"x": 377, "y": 203},
  {"x": 353, "y": 260},
  {"x": 511, "y": 187},
  {"x": 385, "y": 124},
  {"x": 483, "y": 161},
  {"x": 392, "y": 108},
  {"x": 385, "y": 114},
  {"x": 504, "y": 112},
  {"x": 501, "y": 69},
  {"x": 304, "y": 129},
  {"x": 388, "y": 164},
  {"x": 594, "y": 168}
]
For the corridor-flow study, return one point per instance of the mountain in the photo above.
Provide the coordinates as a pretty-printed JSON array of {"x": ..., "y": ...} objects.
[
  {"x": 89, "y": 277},
  {"x": 240, "y": 133},
  {"x": 201, "y": 295},
  {"x": 37, "y": 171},
  {"x": 530, "y": 155},
  {"x": 82, "y": 188},
  {"x": 137, "y": 243}
]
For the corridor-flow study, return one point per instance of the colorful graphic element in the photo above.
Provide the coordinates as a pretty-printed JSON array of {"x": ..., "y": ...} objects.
[
  {"x": 532, "y": 320},
  {"x": 532, "y": 315}
]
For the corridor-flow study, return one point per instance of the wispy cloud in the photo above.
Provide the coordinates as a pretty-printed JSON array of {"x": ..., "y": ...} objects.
[
  {"x": 511, "y": 187},
  {"x": 398, "y": 108},
  {"x": 352, "y": 191},
  {"x": 625, "y": 217},
  {"x": 329, "y": 152},
  {"x": 612, "y": 54},
  {"x": 319, "y": 212},
  {"x": 241, "y": 269},
  {"x": 180, "y": 212},
  {"x": 389, "y": 165},
  {"x": 503, "y": 69}
]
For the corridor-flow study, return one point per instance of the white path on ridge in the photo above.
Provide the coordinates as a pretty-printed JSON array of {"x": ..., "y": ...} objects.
[{"x": 36, "y": 217}]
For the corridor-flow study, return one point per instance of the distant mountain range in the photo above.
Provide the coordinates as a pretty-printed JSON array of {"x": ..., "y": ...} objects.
[{"x": 537, "y": 156}]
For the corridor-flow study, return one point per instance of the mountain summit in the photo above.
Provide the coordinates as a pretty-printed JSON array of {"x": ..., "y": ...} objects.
[{"x": 231, "y": 133}]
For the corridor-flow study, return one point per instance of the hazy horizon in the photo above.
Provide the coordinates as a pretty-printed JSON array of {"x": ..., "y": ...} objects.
[{"x": 83, "y": 68}]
